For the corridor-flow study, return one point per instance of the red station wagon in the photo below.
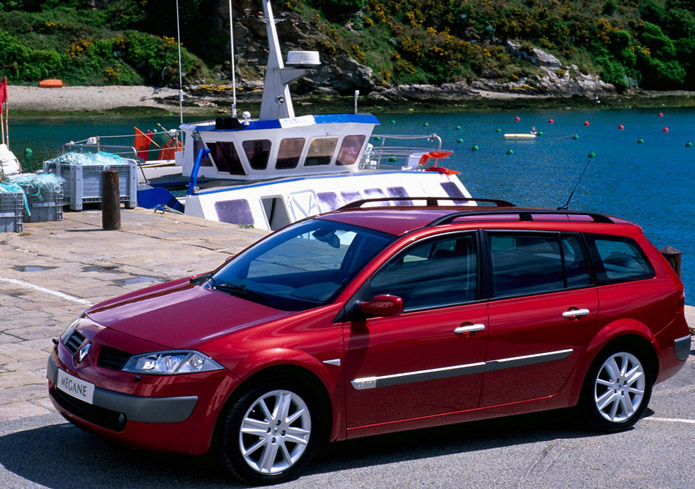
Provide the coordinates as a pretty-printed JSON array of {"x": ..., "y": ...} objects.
[{"x": 379, "y": 318}]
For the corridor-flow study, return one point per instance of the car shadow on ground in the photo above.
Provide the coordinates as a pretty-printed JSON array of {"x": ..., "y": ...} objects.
[{"x": 61, "y": 456}]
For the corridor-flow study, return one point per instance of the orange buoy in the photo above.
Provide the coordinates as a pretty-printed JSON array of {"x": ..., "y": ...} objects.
[
  {"x": 621, "y": 127},
  {"x": 51, "y": 83}
]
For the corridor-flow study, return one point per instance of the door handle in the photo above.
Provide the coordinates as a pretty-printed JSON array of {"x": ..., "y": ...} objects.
[
  {"x": 469, "y": 329},
  {"x": 575, "y": 313}
]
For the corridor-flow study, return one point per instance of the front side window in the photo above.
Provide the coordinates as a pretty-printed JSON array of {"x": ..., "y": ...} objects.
[
  {"x": 618, "y": 259},
  {"x": 436, "y": 273},
  {"x": 303, "y": 266}
]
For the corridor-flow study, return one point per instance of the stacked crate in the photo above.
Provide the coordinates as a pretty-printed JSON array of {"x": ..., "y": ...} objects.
[
  {"x": 44, "y": 194},
  {"x": 82, "y": 177},
  {"x": 11, "y": 207}
]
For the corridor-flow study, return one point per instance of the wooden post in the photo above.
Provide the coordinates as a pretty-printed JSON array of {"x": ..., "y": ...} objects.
[{"x": 110, "y": 200}]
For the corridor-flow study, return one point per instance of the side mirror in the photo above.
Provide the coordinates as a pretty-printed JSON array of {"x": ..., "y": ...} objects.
[{"x": 383, "y": 305}]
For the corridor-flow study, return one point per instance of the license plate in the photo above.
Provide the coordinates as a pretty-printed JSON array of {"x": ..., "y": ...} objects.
[{"x": 77, "y": 388}]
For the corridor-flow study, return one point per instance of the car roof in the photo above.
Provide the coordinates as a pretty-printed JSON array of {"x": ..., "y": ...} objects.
[{"x": 401, "y": 219}]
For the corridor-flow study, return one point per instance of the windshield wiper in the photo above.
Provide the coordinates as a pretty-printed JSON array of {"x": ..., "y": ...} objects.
[{"x": 239, "y": 291}]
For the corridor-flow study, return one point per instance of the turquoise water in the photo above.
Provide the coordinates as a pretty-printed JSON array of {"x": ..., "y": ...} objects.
[{"x": 651, "y": 184}]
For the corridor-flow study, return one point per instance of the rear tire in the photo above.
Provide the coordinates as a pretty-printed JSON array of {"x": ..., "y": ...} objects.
[
  {"x": 617, "y": 390},
  {"x": 270, "y": 433}
]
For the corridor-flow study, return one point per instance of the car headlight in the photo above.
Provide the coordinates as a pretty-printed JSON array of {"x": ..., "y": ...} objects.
[
  {"x": 171, "y": 363},
  {"x": 69, "y": 331}
]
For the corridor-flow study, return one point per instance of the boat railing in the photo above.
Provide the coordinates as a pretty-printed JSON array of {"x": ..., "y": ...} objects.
[
  {"x": 398, "y": 150},
  {"x": 124, "y": 145}
]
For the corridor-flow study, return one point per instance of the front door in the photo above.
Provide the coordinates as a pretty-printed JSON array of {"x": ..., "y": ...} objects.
[{"x": 429, "y": 360}]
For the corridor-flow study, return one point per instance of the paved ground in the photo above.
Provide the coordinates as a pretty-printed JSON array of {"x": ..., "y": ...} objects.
[{"x": 53, "y": 271}]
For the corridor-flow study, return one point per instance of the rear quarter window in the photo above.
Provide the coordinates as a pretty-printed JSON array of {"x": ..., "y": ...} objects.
[{"x": 618, "y": 259}]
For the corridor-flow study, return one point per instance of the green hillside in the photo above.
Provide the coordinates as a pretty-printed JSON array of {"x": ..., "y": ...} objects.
[{"x": 629, "y": 43}]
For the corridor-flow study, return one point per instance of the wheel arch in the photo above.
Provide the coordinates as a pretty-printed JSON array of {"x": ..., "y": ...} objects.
[
  {"x": 307, "y": 378},
  {"x": 626, "y": 332}
]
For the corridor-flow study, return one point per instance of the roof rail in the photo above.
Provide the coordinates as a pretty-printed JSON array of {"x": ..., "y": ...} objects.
[
  {"x": 524, "y": 215},
  {"x": 430, "y": 201}
]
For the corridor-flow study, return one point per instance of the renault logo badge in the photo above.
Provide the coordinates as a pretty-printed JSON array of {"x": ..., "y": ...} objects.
[{"x": 83, "y": 352}]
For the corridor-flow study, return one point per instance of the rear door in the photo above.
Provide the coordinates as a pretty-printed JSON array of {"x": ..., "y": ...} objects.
[{"x": 542, "y": 314}]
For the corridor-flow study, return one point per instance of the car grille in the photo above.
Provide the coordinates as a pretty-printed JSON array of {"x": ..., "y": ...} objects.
[
  {"x": 111, "y": 420},
  {"x": 112, "y": 358},
  {"x": 74, "y": 342}
]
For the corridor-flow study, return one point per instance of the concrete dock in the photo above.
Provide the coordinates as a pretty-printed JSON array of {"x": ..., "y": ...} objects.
[{"x": 53, "y": 271}]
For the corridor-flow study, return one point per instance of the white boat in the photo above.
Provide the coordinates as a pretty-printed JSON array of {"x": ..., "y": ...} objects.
[
  {"x": 524, "y": 136},
  {"x": 278, "y": 168}
]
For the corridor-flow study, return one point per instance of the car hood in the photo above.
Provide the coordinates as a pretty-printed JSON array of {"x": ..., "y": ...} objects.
[{"x": 180, "y": 314}]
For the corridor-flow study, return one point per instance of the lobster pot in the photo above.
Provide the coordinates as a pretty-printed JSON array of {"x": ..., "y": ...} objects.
[
  {"x": 11, "y": 207},
  {"x": 82, "y": 182}
]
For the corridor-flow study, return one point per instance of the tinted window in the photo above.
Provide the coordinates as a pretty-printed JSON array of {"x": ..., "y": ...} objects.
[
  {"x": 257, "y": 152},
  {"x": 226, "y": 158},
  {"x": 320, "y": 151},
  {"x": 618, "y": 259},
  {"x": 289, "y": 152},
  {"x": 525, "y": 264},
  {"x": 432, "y": 274},
  {"x": 350, "y": 150},
  {"x": 576, "y": 266}
]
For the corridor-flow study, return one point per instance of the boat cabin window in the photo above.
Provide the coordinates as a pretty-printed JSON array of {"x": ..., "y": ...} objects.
[
  {"x": 350, "y": 150},
  {"x": 236, "y": 211},
  {"x": 320, "y": 151},
  {"x": 257, "y": 152},
  {"x": 289, "y": 153},
  {"x": 197, "y": 146},
  {"x": 350, "y": 196},
  {"x": 328, "y": 201},
  {"x": 226, "y": 158}
]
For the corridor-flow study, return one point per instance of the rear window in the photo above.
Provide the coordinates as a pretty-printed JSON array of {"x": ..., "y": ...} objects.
[{"x": 618, "y": 259}]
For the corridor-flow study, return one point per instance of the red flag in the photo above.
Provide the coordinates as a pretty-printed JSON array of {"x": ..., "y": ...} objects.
[
  {"x": 142, "y": 144},
  {"x": 3, "y": 93}
]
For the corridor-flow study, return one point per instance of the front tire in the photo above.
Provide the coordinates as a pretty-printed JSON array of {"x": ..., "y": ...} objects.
[
  {"x": 270, "y": 433},
  {"x": 617, "y": 390}
]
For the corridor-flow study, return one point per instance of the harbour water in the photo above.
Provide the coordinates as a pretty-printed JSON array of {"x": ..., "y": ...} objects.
[{"x": 650, "y": 183}]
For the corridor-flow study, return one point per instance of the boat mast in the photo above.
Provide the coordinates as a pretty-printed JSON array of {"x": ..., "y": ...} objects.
[
  {"x": 277, "y": 101},
  {"x": 178, "y": 39},
  {"x": 231, "y": 43}
]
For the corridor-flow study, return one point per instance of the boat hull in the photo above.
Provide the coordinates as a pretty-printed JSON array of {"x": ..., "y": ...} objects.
[{"x": 271, "y": 205}]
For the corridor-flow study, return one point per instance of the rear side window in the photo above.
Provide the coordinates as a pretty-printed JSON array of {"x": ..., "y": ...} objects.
[
  {"x": 525, "y": 263},
  {"x": 618, "y": 259}
]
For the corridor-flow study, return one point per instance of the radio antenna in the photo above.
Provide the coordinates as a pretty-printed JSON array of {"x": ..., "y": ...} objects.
[{"x": 566, "y": 206}]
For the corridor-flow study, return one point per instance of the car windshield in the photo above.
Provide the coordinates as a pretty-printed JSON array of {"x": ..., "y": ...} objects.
[{"x": 302, "y": 266}]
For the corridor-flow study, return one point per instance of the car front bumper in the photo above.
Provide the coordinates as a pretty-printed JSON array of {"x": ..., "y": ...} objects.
[{"x": 164, "y": 413}]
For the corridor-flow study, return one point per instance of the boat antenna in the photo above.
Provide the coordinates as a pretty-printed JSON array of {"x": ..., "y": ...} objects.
[
  {"x": 231, "y": 43},
  {"x": 566, "y": 206},
  {"x": 178, "y": 39}
]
